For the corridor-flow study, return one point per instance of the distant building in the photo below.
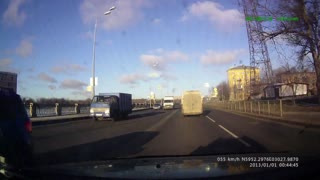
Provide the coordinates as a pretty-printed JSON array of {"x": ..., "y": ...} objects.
[
  {"x": 309, "y": 78},
  {"x": 284, "y": 90},
  {"x": 239, "y": 81},
  {"x": 8, "y": 80}
]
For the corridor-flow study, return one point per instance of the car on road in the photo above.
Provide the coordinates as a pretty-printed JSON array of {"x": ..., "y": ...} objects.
[
  {"x": 15, "y": 130},
  {"x": 156, "y": 106}
]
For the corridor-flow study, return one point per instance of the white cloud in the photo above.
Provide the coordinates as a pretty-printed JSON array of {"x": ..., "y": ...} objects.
[
  {"x": 153, "y": 61},
  {"x": 13, "y": 15},
  {"x": 72, "y": 84},
  {"x": 127, "y": 12},
  {"x": 76, "y": 67},
  {"x": 68, "y": 68},
  {"x": 5, "y": 62},
  {"x": 159, "y": 59},
  {"x": 82, "y": 93},
  {"x": 168, "y": 76},
  {"x": 184, "y": 18},
  {"x": 52, "y": 87},
  {"x": 176, "y": 56},
  {"x": 156, "y": 21},
  {"x": 218, "y": 57},
  {"x": 135, "y": 78},
  {"x": 132, "y": 78},
  {"x": 154, "y": 75},
  {"x": 223, "y": 19},
  {"x": 25, "y": 48},
  {"x": 156, "y": 51},
  {"x": 45, "y": 77}
]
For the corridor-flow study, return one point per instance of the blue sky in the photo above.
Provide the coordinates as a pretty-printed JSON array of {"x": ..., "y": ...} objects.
[{"x": 162, "y": 46}]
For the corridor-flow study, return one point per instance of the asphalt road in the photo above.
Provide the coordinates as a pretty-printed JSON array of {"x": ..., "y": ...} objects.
[{"x": 167, "y": 132}]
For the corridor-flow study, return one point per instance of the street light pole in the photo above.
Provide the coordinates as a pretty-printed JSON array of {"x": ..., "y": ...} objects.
[
  {"x": 94, "y": 51},
  {"x": 94, "y": 58}
]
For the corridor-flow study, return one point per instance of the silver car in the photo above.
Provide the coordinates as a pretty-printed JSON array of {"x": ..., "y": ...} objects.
[{"x": 156, "y": 106}]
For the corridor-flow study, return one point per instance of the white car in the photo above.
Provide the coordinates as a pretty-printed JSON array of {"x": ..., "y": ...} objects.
[{"x": 156, "y": 106}]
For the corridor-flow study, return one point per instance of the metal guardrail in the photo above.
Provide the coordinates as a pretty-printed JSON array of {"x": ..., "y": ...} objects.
[
  {"x": 45, "y": 110},
  {"x": 266, "y": 107},
  {"x": 42, "y": 111}
]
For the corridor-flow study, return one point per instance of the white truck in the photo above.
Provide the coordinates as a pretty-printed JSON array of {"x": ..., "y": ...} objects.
[{"x": 168, "y": 102}]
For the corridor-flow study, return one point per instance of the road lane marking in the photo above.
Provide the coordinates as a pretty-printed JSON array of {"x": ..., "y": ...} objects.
[
  {"x": 243, "y": 142},
  {"x": 211, "y": 119},
  {"x": 235, "y": 136}
]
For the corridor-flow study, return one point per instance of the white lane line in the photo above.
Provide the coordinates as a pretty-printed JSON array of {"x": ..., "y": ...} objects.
[
  {"x": 245, "y": 143},
  {"x": 211, "y": 119},
  {"x": 235, "y": 136}
]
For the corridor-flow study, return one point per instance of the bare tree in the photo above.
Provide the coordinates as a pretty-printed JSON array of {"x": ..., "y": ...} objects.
[
  {"x": 297, "y": 22},
  {"x": 223, "y": 90}
]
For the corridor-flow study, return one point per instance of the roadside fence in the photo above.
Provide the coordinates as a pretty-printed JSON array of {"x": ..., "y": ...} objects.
[{"x": 263, "y": 107}]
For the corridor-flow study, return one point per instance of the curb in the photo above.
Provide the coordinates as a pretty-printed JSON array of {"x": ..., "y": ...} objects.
[
  {"x": 56, "y": 121},
  {"x": 274, "y": 119}
]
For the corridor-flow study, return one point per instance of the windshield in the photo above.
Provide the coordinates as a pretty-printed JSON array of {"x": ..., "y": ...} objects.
[
  {"x": 230, "y": 77},
  {"x": 103, "y": 99}
]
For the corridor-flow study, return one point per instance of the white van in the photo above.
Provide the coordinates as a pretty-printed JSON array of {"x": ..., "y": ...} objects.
[{"x": 192, "y": 103}]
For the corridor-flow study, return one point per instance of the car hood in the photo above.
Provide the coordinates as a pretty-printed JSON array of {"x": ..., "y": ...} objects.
[{"x": 165, "y": 167}]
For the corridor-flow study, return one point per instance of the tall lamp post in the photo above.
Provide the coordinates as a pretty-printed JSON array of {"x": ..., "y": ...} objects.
[{"x": 94, "y": 51}]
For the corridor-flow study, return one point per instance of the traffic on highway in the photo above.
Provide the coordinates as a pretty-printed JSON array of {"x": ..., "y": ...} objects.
[{"x": 122, "y": 89}]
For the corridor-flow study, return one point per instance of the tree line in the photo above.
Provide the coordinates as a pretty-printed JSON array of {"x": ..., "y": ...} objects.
[{"x": 303, "y": 34}]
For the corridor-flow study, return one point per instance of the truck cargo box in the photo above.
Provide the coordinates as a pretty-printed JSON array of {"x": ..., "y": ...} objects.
[
  {"x": 125, "y": 101},
  {"x": 192, "y": 103}
]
